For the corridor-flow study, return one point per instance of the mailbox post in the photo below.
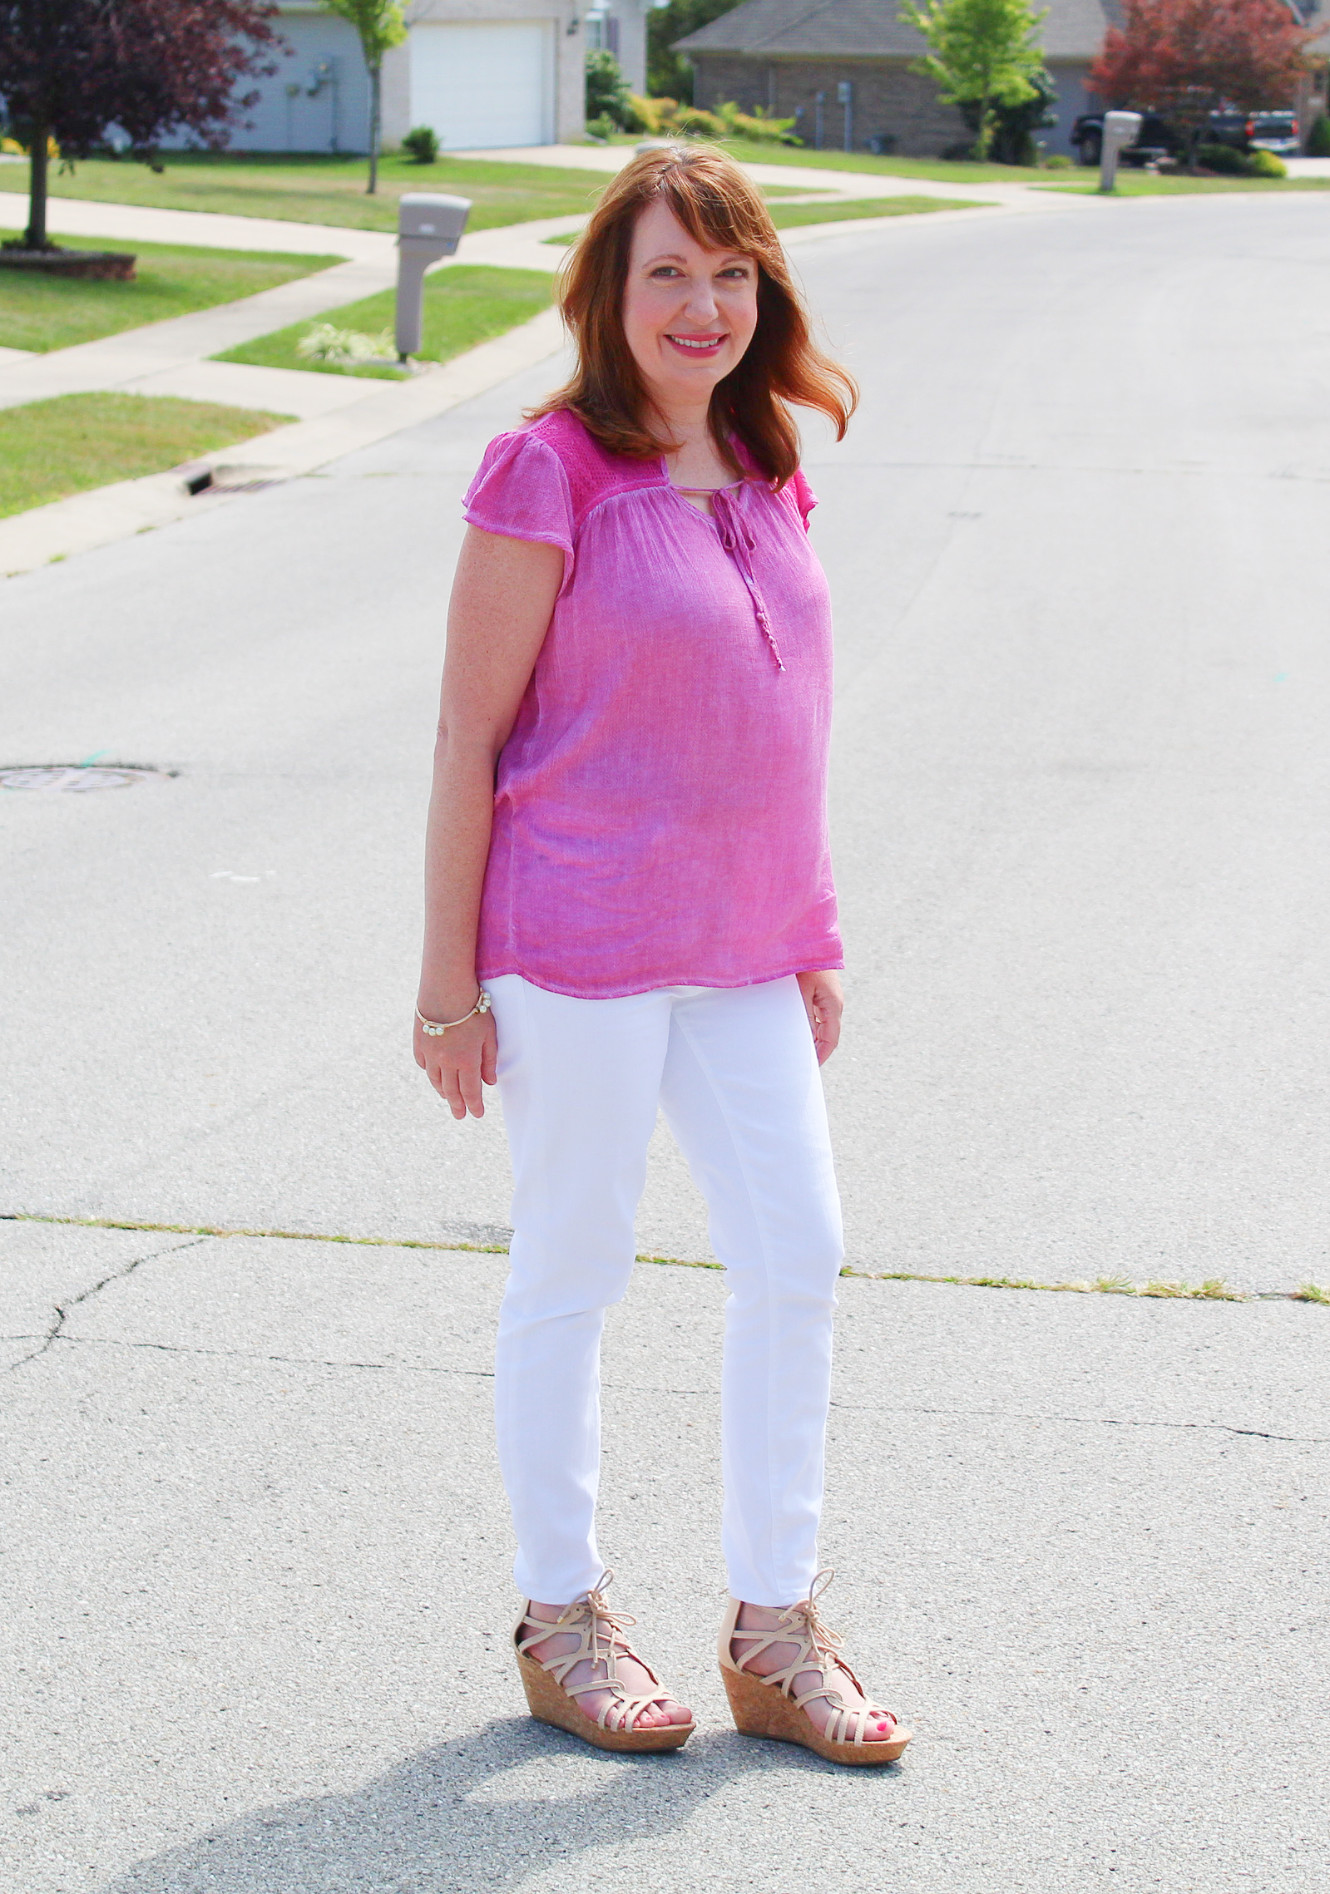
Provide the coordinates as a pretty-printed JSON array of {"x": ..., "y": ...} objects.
[
  {"x": 428, "y": 227},
  {"x": 1120, "y": 130}
]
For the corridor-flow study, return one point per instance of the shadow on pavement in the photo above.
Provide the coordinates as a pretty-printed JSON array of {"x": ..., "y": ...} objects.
[{"x": 452, "y": 1819}]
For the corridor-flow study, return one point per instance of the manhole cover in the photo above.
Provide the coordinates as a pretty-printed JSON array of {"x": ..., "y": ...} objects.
[{"x": 79, "y": 779}]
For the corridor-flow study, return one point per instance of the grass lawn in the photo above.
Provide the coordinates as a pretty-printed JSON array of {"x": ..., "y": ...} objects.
[
  {"x": 944, "y": 170},
  {"x": 52, "y": 312},
  {"x": 464, "y": 305},
  {"x": 1147, "y": 184},
  {"x": 50, "y": 449},
  {"x": 309, "y": 189},
  {"x": 1081, "y": 178},
  {"x": 784, "y": 216}
]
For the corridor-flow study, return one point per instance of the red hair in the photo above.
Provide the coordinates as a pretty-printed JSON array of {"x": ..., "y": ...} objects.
[{"x": 720, "y": 208}]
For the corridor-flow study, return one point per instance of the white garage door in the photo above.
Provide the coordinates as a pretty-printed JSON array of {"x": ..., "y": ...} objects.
[{"x": 483, "y": 83}]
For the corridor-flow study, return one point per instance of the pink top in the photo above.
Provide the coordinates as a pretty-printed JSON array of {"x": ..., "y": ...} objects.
[{"x": 660, "y": 806}]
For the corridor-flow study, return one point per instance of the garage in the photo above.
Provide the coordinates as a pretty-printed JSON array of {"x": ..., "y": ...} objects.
[{"x": 483, "y": 83}]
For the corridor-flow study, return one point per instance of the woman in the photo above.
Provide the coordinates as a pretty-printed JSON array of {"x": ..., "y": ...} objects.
[{"x": 629, "y": 904}]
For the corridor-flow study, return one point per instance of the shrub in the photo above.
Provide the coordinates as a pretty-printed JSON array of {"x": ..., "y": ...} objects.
[
  {"x": 602, "y": 128},
  {"x": 421, "y": 144},
  {"x": 1223, "y": 159},
  {"x": 696, "y": 123},
  {"x": 607, "y": 92},
  {"x": 1059, "y": 161},
  {"x": 756, "y": 125},
  {"x": 654, "y": 116},
  {"x": 1011, "y": 128},
  {"x": 345, "y": 348},
  {"x": 1318, "y": 138},
  {"x": 1230, "y": 163}
]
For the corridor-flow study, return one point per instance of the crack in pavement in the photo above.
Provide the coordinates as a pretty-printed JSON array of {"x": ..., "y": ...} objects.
[
  {"x": 245, "y": 1354},
  {"x": 63, "y": 1309},
  {"x": 615, "y": 1387},
  {"x": 1098, "y": 1420},
  {"x": 1213, "y": 1290}
]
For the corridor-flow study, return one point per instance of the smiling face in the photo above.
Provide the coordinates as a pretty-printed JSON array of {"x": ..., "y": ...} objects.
[{"x": 688, "y": 312}]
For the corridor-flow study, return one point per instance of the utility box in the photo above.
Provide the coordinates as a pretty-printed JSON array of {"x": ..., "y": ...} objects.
[
  {"x": 429, "y": 228},
  {"x": 1120, "y": 130}
]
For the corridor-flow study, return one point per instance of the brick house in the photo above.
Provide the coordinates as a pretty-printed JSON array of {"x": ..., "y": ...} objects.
[{"x": 842, "y": 67}]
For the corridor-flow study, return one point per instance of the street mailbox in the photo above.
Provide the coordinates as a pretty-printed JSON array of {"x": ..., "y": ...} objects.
[
  {"x": 429, "y": 227},
  {"x": 1120, "y": 130}
]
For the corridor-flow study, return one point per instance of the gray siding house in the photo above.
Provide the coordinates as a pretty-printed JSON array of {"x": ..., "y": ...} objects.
[
  {"x": 842, "y": 67},
  {"x": 482, "y": 73}
]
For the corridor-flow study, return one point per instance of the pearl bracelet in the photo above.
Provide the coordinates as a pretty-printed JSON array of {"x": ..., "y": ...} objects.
[{"x": 435, "y": 1027}]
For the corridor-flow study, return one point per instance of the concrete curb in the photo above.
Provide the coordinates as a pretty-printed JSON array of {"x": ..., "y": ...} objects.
[
  {"x": 97, "y": 518},
  {"x": 347, "y": 414}
]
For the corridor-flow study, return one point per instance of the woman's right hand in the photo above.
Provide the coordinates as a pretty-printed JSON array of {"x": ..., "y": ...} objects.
[{"x": 459, "y": 1061}]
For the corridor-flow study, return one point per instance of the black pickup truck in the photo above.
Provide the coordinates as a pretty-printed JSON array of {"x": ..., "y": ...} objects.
[{"x": 1245, "y": 131}]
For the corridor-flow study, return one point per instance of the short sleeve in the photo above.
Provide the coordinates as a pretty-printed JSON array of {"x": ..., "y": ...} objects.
[
  {"x": 521, "y": 492},
  {"x": 804, "y": 497}
]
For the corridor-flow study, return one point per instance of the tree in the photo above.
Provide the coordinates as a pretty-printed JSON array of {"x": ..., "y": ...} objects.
[
  {"x": 983, "y": 56},
  {"x": 1187, "y": 58},
  {"x": 607, "y": 91},
  {"x": 1014, "y": 126},
  {"x": 670, "y": 74},
  {"x": 70, "y": 69},
  {"x": 380, "y": 26}
]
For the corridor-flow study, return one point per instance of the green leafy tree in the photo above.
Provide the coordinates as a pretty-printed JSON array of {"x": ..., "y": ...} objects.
[
  {"x": 380, "y": 25},
  {"x": 670, "y": 74},
  {"x": 984, "y": 55},
  {"x": 1014, "y": 126}
]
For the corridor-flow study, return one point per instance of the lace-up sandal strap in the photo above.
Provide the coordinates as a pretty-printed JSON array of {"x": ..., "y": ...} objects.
[
  {"x": 770, "y": 1705},
  {"x": 552, "y": 1699},
  {"x": 848, "y": 1723}
]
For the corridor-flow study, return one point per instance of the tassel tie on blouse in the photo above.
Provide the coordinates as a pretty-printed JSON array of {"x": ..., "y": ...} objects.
[{"x": 737, "y": 539}]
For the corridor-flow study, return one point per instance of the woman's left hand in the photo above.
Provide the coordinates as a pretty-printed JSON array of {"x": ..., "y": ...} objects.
[{"x": 824, "y": 1003}]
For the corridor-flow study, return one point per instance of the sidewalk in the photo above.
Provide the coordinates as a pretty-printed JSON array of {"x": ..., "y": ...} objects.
[
  {"x": 611, "y": 158},
  {"x": 366, "y": 411},
  {"x": 332, "y": 414},
  {"x": 171, "y": 357}
]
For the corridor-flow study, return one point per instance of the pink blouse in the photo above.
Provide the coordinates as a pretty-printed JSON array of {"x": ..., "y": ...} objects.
[{"x": 660, "y": 806}]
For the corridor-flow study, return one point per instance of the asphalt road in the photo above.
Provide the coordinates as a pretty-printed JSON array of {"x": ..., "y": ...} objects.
[{"x": 254, "y": 1553}]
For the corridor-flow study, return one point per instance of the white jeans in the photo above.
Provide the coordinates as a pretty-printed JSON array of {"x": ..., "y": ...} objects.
[{"x": 737, "y": 1075}]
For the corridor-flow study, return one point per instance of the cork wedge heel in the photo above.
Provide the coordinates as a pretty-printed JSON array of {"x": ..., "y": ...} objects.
[
  {"x": 769, "y": 1705},
  {"x": 552, "y": 1699}
]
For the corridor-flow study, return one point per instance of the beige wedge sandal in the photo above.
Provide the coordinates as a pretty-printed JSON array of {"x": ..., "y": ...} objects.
[
  {"x": 600, "y": 1633},
  {"x": 768, "y": 1706}
]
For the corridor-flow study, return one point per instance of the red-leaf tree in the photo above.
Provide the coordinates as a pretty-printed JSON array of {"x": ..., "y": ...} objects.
[
  {"x": 72, "y": 69},
  {"x": 1188, "y": 58}
]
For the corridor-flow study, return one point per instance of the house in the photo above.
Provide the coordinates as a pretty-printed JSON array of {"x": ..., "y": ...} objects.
[
  {"x": 482, "y": 73},
  {"x": 842, "y": 68},
  {"x": 620, "y": 26}
]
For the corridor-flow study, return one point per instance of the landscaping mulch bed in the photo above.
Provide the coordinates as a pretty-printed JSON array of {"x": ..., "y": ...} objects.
[{"x": 101, "y": 266}]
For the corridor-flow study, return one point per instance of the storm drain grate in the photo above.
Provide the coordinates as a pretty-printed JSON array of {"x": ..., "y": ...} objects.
[{"x": 80, "y": 777}]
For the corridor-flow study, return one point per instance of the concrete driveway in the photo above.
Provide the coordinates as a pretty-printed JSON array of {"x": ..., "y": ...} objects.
[{"x": 254, "y": 1552}]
